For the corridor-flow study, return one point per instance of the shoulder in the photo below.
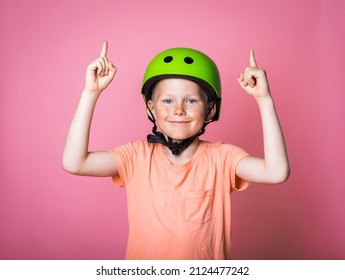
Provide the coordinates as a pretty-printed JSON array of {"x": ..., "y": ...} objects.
[
  {"x": 221, "y": 147},
  {"x": 135, "y": 148},
  {"x": 224, "y": 152},
  {"x": 134, "y": 145}
]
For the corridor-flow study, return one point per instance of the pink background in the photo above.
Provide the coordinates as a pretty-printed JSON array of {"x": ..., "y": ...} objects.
[{"x": 46, "y": 213}]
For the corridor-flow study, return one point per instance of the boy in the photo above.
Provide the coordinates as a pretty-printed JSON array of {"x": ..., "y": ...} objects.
[{"x": 178, "y": 187}]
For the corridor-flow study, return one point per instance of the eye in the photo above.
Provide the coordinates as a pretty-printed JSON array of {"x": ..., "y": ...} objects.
[
  {"x": 191, "y": 101},
  {"x": 167, "y": 101}
]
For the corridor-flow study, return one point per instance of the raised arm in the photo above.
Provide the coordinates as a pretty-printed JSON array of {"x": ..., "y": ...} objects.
[
  {"x": 76, "y": 157},
  {"x": 274, "y": 167}
]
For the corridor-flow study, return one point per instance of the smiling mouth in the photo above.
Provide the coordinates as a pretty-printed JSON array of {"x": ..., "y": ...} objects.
[{"x": 178, "y": 122}]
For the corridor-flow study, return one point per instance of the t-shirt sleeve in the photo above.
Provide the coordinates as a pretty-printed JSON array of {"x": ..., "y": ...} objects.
[
  {"x": 238, "y": 183},
  {"x": 123, "y": 156},
  {"x": 234, "y": 156}
]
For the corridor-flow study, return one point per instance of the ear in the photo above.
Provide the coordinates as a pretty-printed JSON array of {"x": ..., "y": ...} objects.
[
  {"x": 151, "y": 107},
  {"x": 211, "y": 110}
]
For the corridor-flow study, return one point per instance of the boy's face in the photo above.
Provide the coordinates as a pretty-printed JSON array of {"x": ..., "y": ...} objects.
[{"x": 179, "y": 107}]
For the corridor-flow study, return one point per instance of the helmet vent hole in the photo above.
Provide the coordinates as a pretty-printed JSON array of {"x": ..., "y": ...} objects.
[
  {"x": 168, "y": 59},
  {"x": 188, "y": 60}
]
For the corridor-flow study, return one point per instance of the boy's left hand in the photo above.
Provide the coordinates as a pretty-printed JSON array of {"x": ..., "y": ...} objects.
[{"x": 254, "y": 80}]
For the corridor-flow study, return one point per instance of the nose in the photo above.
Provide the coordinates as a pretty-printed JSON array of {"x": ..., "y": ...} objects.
[{"x": 179, "y": 109}]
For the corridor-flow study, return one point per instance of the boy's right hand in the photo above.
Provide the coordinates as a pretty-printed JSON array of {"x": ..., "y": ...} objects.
[{"x": 99, "y": 73}]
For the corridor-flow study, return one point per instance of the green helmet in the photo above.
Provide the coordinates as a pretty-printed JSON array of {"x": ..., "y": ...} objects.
[{"x": 188, "y": 64}]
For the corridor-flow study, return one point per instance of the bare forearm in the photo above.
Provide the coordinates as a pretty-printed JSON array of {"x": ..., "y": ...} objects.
[
  {"x": 77, "y": 142},
  {"x": 274, "y": 167},
  {"x": 276, "y": 159}
]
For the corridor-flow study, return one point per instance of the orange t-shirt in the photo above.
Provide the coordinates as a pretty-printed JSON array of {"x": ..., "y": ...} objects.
[{"x": 178, "y": 211}]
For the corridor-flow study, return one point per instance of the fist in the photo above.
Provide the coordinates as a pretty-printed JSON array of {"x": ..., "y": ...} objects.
[
  {"x": 100, "y": 72},
  {"x": 253, "y": 80}
]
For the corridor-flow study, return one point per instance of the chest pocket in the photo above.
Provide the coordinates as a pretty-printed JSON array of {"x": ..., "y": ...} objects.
[{"x": 198, "y": 206}]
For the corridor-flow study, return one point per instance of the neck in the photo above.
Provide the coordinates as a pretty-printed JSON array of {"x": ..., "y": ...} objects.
[{"x": 185, "y": 156}]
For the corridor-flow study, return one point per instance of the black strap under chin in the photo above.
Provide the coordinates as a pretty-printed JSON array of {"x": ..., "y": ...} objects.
[{"x": 175, "y": 147}]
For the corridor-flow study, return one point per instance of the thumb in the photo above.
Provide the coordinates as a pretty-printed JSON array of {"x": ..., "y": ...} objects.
[
  {"x": 241, "y": 81},
  {"x": 112, "y": 69}
]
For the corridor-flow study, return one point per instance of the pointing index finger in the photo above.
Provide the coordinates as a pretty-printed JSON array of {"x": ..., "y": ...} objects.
[
  {"x": 104, "y": 49},
  {"x": 252, "y": 61}
]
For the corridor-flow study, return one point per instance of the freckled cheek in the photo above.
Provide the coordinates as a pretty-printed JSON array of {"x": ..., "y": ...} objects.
[
  {"x": 162, "y": 113},
  {"x": 198, "y": 113}
]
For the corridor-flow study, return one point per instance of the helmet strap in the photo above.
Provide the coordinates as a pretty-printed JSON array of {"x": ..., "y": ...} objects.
[{"x": 175, "y": 147}]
